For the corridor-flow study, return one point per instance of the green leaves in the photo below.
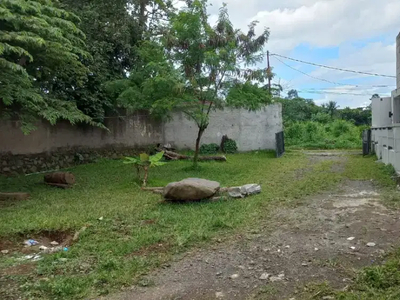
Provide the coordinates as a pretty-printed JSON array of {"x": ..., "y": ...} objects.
[
  {"x": 40, "y": 59},
  {"x": 146, "y": 160}
]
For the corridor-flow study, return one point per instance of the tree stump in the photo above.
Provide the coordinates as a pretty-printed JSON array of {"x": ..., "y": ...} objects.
[
  {"x": 14, "y": 196},
  {"x": 60, "y": 179}
]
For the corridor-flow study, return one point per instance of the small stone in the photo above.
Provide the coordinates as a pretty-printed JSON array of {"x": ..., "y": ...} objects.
[
  {"x": 234, "y": 276},
  {"x": 287, "y": 247},
  {"x": 304, "y": 264},
  {"x": 252, "y": 262},
  {"x": 5, "y": 251},
  {"x": 280, "y": 277},
  {"x": 43, "y": 248},
  {"x": 371, "y": 245},
  {"x": 54, "y": 243},
  {"x": 219, "y": 273},
  {"x": 219, "y": 295},
  {"x": 37, "y": 257},
  {"x": 101, "y": 218},
  {"x": 63, "y": 259},
  {"x": 351, "y": 238},
  {"x": 265, "y": 276},
  {"x": 328, "y": 298},
  {"x": 353, "y": 248},
  {"x": 316, "y": 249}
]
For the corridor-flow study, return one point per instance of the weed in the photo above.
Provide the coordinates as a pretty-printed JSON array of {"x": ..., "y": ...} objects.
[{"x": 117, "y": 249}]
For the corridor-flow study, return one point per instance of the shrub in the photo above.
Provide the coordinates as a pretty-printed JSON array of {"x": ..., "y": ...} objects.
[
  {"x": 209, "y": 148},
  {"x": 338, "y": 134},
  {"x": 230, "y": 146}
]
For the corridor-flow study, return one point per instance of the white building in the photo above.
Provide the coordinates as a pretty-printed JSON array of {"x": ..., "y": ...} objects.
[{"x": 385, "y": 131}]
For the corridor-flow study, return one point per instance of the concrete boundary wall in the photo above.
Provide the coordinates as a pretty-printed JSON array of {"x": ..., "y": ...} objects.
[
  {"x": 55, "y": 147},
  {"x": 251, "y": 130}
]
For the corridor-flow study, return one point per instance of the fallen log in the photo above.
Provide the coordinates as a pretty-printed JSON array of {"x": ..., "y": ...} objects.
[
  {"x": 176, "y": 156},
  {"x": 59, "y": 185},
  {"x": 14, "y": 196},
  {"x": 60, "y": 179}
]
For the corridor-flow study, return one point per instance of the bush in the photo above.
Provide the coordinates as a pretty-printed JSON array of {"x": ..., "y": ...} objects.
[
  {"x": 230, "y": 146},
  {"x": 209, "y": 148},
  {"x": 337, "y": 134}
]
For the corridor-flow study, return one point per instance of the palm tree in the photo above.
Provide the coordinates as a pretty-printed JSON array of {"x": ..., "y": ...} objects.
[{"x": 331, "y": 108}]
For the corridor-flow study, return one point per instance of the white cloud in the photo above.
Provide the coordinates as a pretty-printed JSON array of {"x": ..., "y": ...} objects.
[
  {"x": 327, "y": 23},
  {"x": 320, "y": 23}
]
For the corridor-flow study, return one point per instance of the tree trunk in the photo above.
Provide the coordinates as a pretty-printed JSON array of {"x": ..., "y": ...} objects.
[
  {"x": 146, "y": 175},
  {"x": 62, "y": 178},
  {"x": 197, "y": 149},
  {"x": 14, "y": 196},
  {"x": 176, "y": 156}
]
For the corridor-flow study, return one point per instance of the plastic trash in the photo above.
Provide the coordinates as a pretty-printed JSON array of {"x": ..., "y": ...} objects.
[
  {"x": 30, "y": 243},
  {"x": 65, "y": 249}
]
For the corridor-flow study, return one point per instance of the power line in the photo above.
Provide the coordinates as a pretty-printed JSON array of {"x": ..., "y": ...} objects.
[
  {"x": 333, "y": 93},
  {"x": 333, "y": 68},
  {"x": 332, "y": 82},
  {"x": 321, "y": 79}
]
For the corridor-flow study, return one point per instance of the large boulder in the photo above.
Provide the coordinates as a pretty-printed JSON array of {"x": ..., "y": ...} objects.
[{"x": 191, "y": 189}]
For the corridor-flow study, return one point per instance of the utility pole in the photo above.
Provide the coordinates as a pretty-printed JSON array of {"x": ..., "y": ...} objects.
[{"x": 268, "y": 73}]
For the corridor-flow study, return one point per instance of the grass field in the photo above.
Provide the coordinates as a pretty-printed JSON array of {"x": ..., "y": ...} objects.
[{"x": 137, "y": 232}]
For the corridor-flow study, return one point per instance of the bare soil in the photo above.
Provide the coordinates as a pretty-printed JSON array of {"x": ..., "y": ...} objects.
[{"x": 324, "y": 238}]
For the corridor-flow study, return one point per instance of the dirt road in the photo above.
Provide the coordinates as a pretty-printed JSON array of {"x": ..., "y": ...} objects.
[{"x": 324, "y": 238}]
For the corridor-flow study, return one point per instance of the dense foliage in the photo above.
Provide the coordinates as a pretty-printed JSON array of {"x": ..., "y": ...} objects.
[
  {"x": 41, "y": 54},
  {"x": 326, "y": 127}
]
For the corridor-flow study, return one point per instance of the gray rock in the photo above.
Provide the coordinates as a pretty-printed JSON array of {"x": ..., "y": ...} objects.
[
  {"x": 371, "y": 245},
  {"x": 244, "y": 191},
  {"x": 191, "y": 189},
  {"x": 264, "y": 276},
  {"x": 235, "y": 192},
  {"x": 280, "y": 277},
  {"x": 250, "y": 189}
]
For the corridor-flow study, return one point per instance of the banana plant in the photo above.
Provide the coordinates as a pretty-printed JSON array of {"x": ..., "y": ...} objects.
[{"x": 143, "y": 162}]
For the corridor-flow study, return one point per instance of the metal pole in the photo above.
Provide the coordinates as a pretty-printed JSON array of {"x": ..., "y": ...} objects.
[{"x": 268, "y": 73}]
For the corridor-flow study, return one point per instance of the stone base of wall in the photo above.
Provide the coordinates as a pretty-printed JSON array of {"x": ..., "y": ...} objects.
[{"x": 12, "y": 165}]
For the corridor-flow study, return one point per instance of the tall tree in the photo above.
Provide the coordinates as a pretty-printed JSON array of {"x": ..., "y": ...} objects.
[
  {"x": 40, "y": 47},
  {"x": 293, "y": 94},
  {"x": 115, "y": 31},
  {"x": 331, "y": 108},
  {"x": 205, "y": 69},
  {"x": 215, "y": 63}
]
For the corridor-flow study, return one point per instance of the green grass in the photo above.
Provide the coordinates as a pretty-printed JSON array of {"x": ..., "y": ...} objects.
[
  {"x": 116, "y": 251},
  {"x": 379, "y": 282}
]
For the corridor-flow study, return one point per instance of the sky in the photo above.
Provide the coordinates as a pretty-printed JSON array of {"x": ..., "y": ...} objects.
[{"x": 352, "y": 34}]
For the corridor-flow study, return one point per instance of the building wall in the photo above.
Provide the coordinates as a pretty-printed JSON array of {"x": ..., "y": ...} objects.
[
  {"x": 250, "y": 130},
  {"x": 398, "y": 60}
]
